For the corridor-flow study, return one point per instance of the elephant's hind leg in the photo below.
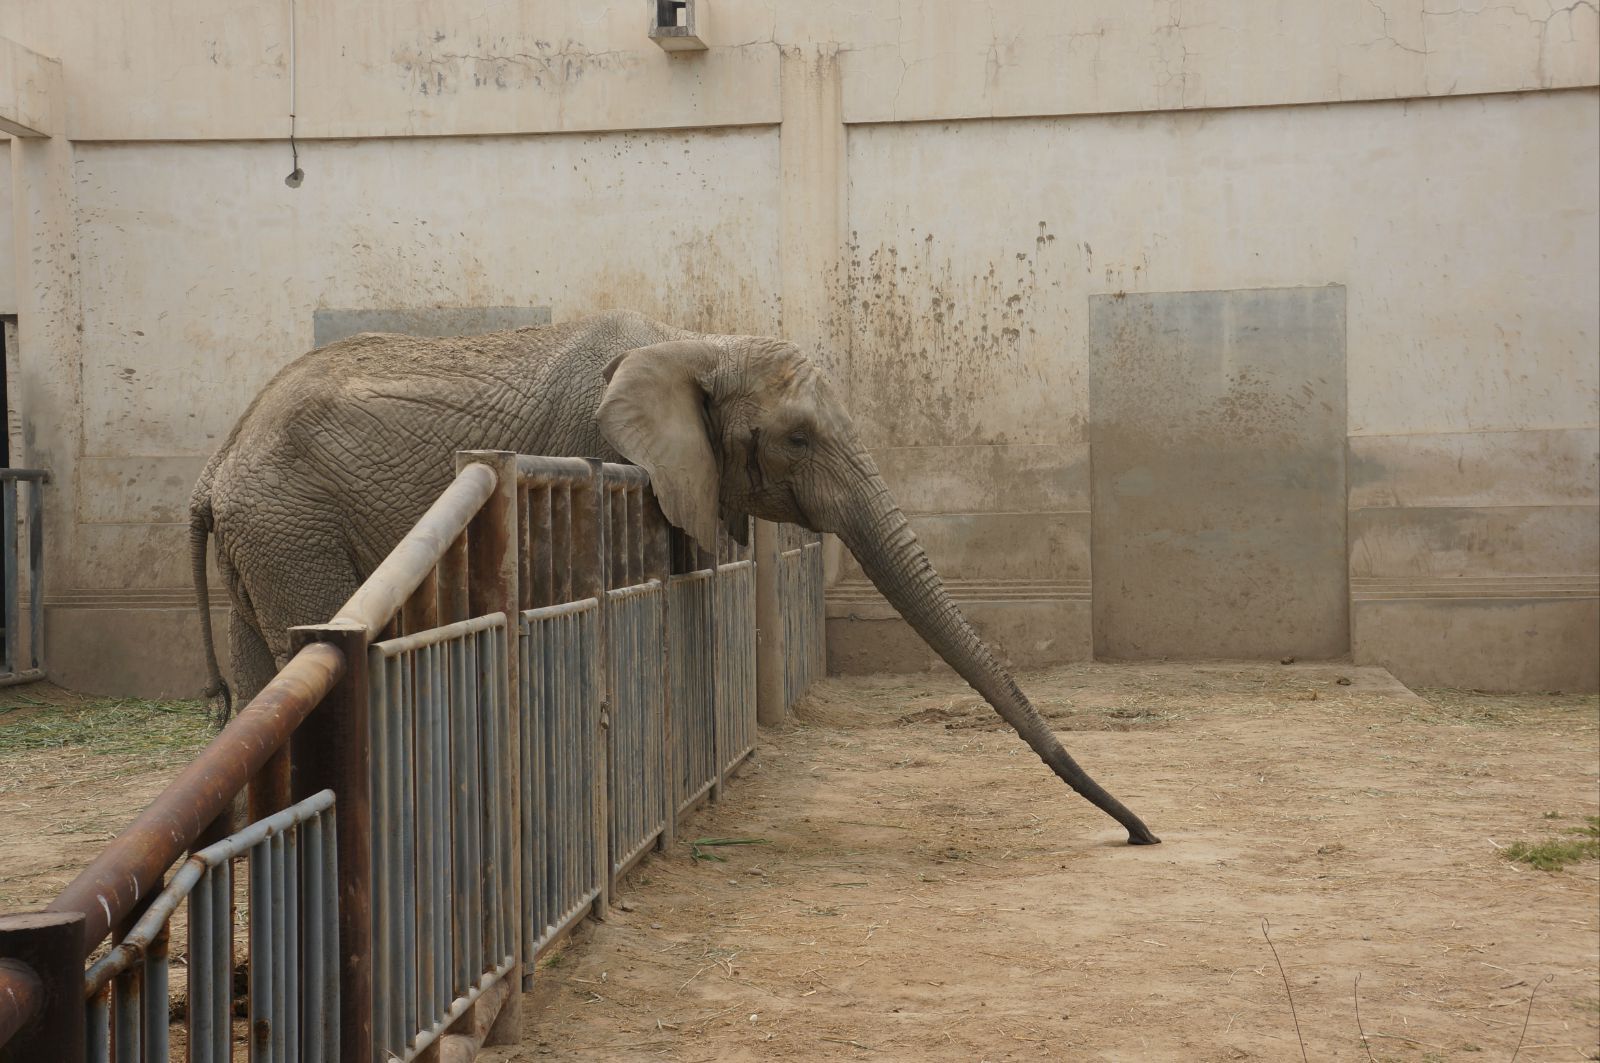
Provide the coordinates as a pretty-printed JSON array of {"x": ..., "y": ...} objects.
[{"x": 253, "y": 663}]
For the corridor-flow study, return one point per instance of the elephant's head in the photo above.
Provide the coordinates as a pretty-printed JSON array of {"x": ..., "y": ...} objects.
[{"x": 732, "y": 426}]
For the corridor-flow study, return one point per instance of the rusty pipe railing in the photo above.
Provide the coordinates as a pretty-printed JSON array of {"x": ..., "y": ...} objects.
[
  {"x": 132, "y": 865},
  {"x": 410, "y": 562},
  {"x": 21, "y": 997}
]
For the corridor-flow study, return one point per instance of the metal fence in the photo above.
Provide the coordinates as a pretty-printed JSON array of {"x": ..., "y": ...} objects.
[
  {"x": 292, "y": 958},
  {"x": 691, "y": 614},
  {"x": 563, "y": 776},
  {"x": 22, "y": 657},
  {"x": 491, "y": 780},
  {"x": 442, "y": 827},
  {"x": 800, "y": 594},
  {"x": 735, "y": 652}
]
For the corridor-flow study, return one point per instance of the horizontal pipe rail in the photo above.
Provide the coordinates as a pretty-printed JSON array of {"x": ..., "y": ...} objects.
[
  {"x": 554, "y": 470},
  {"x": 132, "y": 947},
  {"x": 21, "y": 997},
  {"x": 107, "y": 890},
  {"x": 41, "y": 476},
  {"x": 409, "y": 563}
]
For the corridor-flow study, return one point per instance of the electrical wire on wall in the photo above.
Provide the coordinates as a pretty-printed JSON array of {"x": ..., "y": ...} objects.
[{"x": 296, "y": 176}]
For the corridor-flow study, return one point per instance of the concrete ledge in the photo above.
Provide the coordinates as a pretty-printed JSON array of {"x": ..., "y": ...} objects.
[
  {"x": 28, "y": 81},
  {"x": 130, "y": 651},
  {"x": 1494, "y": 644},
  {"x": 1026, "y": 634}
]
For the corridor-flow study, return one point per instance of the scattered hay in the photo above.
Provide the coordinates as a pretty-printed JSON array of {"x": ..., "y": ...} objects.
[
  {"x": 1499, "y": 710},
  {"x": 73, "y": 737}
]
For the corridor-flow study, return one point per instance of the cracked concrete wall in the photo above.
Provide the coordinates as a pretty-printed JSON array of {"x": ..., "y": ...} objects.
[{"x": 924, "y": 195}]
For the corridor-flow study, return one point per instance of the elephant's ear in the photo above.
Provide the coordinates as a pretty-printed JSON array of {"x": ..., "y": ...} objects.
[{"x": 653, "y": 412}]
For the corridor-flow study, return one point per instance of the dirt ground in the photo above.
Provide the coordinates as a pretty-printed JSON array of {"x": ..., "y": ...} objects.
[{"x": 920, "y": 888}]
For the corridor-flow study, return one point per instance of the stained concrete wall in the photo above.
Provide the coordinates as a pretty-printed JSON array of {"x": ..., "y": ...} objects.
[
  {"x": 1470, "y": 278},
  {"x": 172, "y": 355},
  {"x": 1217, "y": 424},
  {"x": 925, "y": 197}
]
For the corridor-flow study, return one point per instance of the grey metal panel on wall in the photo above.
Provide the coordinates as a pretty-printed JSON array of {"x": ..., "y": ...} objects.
[
  {"x": 332, "y": 324},
  {"x": 1217, "y": 468}
]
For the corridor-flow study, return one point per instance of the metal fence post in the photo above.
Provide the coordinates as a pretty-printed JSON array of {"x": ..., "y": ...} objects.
[
  {"x": 770, "y": 708},
  {"x": 656, "y": 535},
  {"x": 49, "y": 946},
  {"x": 492, "y": 544},
  {"x": 589, "y": 571},
  {"x": 331, "y": 750}
]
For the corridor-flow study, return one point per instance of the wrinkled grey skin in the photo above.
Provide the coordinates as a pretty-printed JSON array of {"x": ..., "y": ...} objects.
[{"x": 345, "y": 449}]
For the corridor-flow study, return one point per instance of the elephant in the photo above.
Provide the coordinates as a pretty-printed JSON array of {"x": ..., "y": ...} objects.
[{"x": 345, "y": 448}]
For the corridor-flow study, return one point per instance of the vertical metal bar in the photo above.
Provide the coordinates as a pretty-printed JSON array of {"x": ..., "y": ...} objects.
[
  {"x": 491, "y": 671},
  {"x": 565, "y": 704},
  {"x": 526, "y": 537},
  {"x": 424, "y": 904},
  {"x": 289, "y": 974},
  {"x": 263, "y": 929},
  {"x": 478, "y": 708},
  {"x": 405, "y": 865},
  {"x": 638, "y": 550},
  {"x": 510, "y": 800},
  {"x": 528, "y": 763},
  {"x": 97, "y": 1019},
  {"x": 156, "y": 1014},
  {"x": 127, "y": 1008},
  {"x": 281, "y": 958},
  {"x": 221, "y": 961},
  {"x": 561, "y": 540},
  {"x": 380, "y": 770},
  {"x": 452, "y": 582},
  {"x": 36, "y": 574},
  {"x": 439, "y": 816},
  {"x": 334, "y": 749},
  {"x": 312, "y": 947},
  {"x": 420, "y": 612},
  {"x": 333, "y": 977},
  {"x": 455, "y": 883},
  {"x": 202, "y": 1009},
  {"x": 8, "y": 542},
  {"x": 481, "y": 842},
  {"x": 495, "y": 536},
  {"x": 542, "y": 567},
  {"x": 461, "y": 867}
]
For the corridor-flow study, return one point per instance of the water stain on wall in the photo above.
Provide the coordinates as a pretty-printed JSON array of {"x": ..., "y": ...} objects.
[
  {"x": 440, "y": 65},
  {"x": 947, "y": 352}
]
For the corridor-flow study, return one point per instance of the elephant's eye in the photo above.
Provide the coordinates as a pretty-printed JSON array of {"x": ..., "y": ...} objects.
[{"x": 798, "y": 440}]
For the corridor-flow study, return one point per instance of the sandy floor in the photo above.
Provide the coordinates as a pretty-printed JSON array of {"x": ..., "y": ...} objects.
[{"x": 924, "y": 890}]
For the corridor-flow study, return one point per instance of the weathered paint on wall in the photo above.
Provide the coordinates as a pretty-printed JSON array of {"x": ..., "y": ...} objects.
[
  {"x": 923, "y": 196},
  {"x": 1217, "y": 426},
  {"x": 188, "y": 312},
  {"x": 219, "y": 70},
  {"x": 1469, "y": 276}
]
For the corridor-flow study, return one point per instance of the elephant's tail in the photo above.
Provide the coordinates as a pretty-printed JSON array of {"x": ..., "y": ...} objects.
[{"x": 199, "y": 530}]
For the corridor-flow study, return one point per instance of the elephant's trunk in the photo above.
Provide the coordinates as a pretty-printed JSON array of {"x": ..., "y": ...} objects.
[{"x": 879, "y": 536}]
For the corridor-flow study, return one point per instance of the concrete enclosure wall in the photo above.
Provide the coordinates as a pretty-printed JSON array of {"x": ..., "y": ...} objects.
[
  {"x": 931, "y": 199},
  {"x": 1217, "y": 508}
]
